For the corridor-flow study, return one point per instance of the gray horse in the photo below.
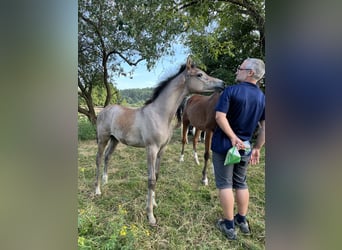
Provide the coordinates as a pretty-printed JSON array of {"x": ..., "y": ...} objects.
[{"x": 151, "y": 125}]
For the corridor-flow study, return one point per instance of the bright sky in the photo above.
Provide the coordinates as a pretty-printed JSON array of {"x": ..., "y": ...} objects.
[{"x": 166, "y": 66}]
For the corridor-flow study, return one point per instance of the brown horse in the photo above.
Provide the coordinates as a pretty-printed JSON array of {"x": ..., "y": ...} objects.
[
  {"x": 151, "y": 125},
  {"x": 199, "y": 111}
]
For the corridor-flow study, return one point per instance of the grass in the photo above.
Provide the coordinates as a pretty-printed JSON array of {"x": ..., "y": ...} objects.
[{"x": 187, "y": 211}]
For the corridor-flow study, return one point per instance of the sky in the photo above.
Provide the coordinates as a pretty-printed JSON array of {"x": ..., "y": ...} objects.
[{"x": 166, "y": 66}]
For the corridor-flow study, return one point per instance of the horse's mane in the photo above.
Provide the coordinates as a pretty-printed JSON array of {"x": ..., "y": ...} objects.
[{"x": 162, "y": 85}]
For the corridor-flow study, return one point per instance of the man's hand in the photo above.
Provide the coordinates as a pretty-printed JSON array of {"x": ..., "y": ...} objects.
[{"x": 255, "y": 156}]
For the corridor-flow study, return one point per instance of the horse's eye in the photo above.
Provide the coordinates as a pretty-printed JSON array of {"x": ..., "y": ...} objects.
[{"x": 199, "y": 75}]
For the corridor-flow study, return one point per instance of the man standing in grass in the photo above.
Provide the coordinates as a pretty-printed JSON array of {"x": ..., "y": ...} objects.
[{"x": 239, "y": 110}]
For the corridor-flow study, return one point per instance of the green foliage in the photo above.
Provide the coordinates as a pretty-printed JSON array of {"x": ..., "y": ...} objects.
[
  {"x": 187, "y": 211},
  {"x": 86, "y": 130},
  {"x": 135, "y": 97},
  {"x": 224, "y": 33},
  {"x": 99, "y": 95},
  {"x": 119, "y": 234}
]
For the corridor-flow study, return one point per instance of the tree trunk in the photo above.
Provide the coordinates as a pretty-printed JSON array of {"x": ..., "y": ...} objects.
[{"x": 90, "y": 114}]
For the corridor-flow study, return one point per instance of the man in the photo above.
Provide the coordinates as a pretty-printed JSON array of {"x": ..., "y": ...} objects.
[{"x": 239, "y": 110}]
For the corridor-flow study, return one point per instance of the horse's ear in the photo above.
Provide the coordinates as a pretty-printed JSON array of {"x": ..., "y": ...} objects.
[{"x": 188, "y": 63}]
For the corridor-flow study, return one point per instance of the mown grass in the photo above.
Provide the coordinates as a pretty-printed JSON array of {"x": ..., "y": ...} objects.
[{"x": 187, "y": 211}]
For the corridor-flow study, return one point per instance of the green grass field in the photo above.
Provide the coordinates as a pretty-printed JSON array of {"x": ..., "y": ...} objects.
[{"x": 187, "y": 211}]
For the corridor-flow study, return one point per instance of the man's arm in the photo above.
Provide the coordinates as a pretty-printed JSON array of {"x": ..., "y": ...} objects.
[
  {"x": 260, "y": 141},
  {"x": 223, "y": 123}
]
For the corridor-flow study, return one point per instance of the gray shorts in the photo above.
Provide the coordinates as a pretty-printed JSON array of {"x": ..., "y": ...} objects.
[{"x": 232, "y": 176}]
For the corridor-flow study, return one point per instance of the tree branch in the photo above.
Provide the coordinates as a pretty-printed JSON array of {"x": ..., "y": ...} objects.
[
  {"x": 129, "y": 62},
  {"x": 83, "y": 111},
  {"x": 80, "y": 85},
  {"x": 192, "y": 3}
]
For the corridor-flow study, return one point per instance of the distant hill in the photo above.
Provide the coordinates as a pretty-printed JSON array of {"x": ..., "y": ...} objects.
[{"x": 136, "y": 97}]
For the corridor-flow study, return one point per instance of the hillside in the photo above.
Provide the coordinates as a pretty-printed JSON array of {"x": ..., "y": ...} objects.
[{"x": 135, "y": 96}]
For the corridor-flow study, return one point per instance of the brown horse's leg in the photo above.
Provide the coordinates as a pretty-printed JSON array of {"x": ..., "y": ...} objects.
[
  {"x": 184, "y": 136},
  {"x": 208, "y": 136},
  {"x": 194, "y": 145},
  {"x": 109, "y": 151}
]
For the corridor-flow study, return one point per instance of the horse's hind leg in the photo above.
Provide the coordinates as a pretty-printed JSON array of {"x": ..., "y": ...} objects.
[
  {"x": 208, "y": 136},
  {"x": 184, "y": 137},
  {"x": 109, "y": 151},
  {"x": 100, "y": 148},
  {"x": 194, "y": 145}
]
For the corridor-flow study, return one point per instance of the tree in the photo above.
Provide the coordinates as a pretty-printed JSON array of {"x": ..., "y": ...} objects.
[
  {"x": 113, "y": 33},
  {"x": 225, "y": 33}
]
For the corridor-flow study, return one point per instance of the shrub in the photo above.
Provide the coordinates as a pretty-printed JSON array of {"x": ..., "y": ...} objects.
[{"x": 86, "y": 130}]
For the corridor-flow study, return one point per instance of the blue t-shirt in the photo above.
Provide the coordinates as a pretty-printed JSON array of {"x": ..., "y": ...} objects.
[{"x": 244, "y": 104}]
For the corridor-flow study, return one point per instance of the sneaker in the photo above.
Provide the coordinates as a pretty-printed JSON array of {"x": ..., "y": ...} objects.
[
  {"x": 229, "y": 233},
  {"x": 244, "y": 226}
]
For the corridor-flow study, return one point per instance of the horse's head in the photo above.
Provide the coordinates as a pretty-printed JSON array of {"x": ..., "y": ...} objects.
[{"x": 196, "y": 80}]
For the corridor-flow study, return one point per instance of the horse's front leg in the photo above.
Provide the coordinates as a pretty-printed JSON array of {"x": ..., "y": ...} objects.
[{"x": 151, "y": 163}]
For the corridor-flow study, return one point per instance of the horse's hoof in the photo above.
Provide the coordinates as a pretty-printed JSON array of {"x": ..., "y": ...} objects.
[
  {"x": 152, "y": 222},
  {"x": 154, "y": 225},
  {"x": 97, "y": 191},
  {"x": 205, "y": 182},
  {"x": 104, "y": 179}
]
